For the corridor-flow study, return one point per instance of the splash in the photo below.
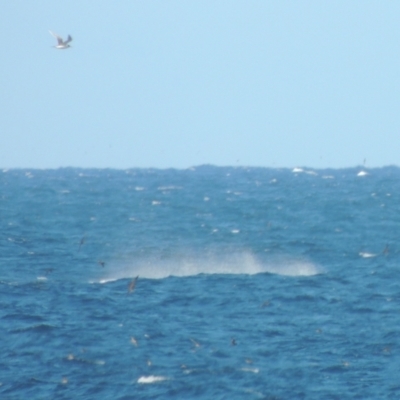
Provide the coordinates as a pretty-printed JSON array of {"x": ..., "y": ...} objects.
[
  {"x": 234, "y": 263},
  {"x": 293, "y": 267}
]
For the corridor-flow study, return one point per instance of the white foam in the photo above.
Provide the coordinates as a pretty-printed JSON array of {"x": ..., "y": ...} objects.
[
  {"x": 253, "y": 370},
  {"x": 362, "y": 173},
  {"x": 102, "y": 281},
  {"x": 151, "y": 379},
  {"x": 292, "y": 267},
  {"x": 300, "y": 170},
  {"x": 171, "y": 187},
  {"x": 366, "y": 255},
  {"x": 189, "y": 265}
]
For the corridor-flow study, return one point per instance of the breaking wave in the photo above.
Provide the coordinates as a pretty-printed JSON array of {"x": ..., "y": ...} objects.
[{"x": 239, "y": 263}]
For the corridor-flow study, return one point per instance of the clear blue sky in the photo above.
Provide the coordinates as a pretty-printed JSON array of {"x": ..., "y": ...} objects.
[{"x": 182, "y": 83}]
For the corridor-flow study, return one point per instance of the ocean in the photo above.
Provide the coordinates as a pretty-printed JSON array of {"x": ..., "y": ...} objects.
[{"x": 252, "y": 283}]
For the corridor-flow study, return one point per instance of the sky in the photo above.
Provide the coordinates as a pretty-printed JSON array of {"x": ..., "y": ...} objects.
[{"x": 177, "y": 83}]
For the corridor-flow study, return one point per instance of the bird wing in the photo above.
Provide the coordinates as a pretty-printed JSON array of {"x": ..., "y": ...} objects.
[
  {"x": 132, "y": 285},
  {"x": 59, "y": 39},
  {"x": 69, "y": 39}
]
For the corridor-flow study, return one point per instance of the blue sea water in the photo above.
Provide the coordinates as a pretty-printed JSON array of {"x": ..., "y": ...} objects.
[{"x": 254, "y": 283}]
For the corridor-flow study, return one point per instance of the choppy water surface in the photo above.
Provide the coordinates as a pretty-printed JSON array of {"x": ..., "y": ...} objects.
[{"x": 253, "y": 283}]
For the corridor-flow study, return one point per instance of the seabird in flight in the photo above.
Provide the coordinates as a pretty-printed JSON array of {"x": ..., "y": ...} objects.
[
  {"x": 134, "y": 341},
  {"x": 132, "y": 285},
  {"x": 61, "y": 44},
  {"x": 81, "y": 243}
]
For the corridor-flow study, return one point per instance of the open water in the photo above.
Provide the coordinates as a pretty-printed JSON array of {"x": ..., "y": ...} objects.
[{"x": 254, "y": 283}]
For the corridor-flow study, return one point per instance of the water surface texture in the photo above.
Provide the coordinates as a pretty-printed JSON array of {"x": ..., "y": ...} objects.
[{"x": 254, "y": 283}]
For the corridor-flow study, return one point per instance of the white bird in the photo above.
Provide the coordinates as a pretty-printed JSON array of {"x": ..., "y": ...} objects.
[{"x": 61, "y": 44}]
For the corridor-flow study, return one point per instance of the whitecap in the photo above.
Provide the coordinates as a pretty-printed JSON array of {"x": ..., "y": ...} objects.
[
  {"x": 151, "y": 379},
  {"x": 296, "y": 170},
  {"x": 253, "y": 370},
  {"x": 366, "y": 255},
  {"x": 162, "y": 188},
  {"x": 103, "y": 281},
  {"x": 362, "y": 173}
]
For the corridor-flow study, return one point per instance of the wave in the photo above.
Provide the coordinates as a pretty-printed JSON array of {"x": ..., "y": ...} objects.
[
  {"x": 181, "y": 266},
  {"x": 41, "y": 328}
]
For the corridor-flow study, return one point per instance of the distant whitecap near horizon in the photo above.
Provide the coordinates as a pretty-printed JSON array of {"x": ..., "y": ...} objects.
[
  {"x": 61, "y": 43},
  {"x": 296, "y": 170},
  {"x": 362, "y": 173}
]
